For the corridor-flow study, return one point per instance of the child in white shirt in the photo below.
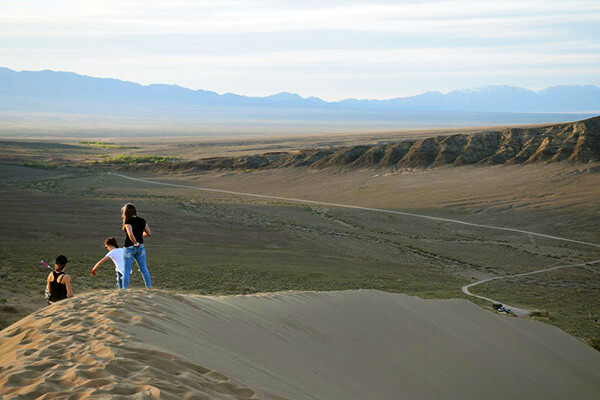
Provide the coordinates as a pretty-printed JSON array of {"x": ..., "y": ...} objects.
[{"x": 117, "y": 255}]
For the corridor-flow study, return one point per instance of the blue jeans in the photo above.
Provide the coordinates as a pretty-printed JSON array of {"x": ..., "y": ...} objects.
[
  {"x": 119, "y": 280},
  {"x": 139, "y": 253}
]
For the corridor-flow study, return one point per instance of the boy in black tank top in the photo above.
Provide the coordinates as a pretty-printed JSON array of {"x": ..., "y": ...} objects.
[{"x": 58, "y": 283}]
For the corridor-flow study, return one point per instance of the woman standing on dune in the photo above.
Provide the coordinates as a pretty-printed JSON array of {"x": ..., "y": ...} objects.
[{"x": 135, "y": 229}]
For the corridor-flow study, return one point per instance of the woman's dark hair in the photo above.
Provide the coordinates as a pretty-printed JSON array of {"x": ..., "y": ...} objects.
[
  {"x": 61, "y": 262},
  {"x": 111, "y": 241},
  {"x": 128, "y": 211}
]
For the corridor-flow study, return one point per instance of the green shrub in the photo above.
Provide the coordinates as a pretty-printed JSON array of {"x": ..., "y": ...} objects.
[
  {"x": 141, "y": 159},
  {"x": 8, "y": 309},
  {"x": 107, "y": 145},
  {"x": 540, "y": 314},
  {"x": 40, "y": 165}
]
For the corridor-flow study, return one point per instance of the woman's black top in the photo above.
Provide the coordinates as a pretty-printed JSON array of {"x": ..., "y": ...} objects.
[
  {"x": 137, "y": 225},
  {"x": 58, "y": 290}
]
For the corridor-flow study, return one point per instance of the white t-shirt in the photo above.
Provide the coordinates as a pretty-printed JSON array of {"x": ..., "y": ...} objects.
[{"x": 118, "y": 258}]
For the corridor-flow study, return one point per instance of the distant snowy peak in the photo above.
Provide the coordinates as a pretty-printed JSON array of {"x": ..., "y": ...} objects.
[
  {"x": 576, "y": 89},
  {"x": 497, "y": 89},
  {"x": 492, "y": 90},
  {"x": 285, "y": 96}
]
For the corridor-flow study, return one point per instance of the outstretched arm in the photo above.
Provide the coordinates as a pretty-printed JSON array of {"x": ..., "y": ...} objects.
[
  {"x": 99, "y": 263},
  {"x": 147, "y": 231}
]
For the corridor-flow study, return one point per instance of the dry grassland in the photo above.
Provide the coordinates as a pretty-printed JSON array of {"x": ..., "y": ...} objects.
[{"x": 207, "y": 242}]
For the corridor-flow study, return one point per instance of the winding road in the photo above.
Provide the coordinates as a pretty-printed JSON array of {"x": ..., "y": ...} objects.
[
  {"x": 516, "y": 310},
  {"x": 465, "y": 289}
]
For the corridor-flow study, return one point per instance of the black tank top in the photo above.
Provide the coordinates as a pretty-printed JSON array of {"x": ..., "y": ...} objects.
[
  {"x": 137, "y": 227},
  {"x": 58, "y": 290}
]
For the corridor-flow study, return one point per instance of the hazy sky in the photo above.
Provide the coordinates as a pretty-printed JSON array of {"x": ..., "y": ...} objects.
[{"x": 329, "y": 49}]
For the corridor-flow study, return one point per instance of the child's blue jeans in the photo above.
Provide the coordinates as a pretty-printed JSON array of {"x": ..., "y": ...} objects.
[{"x": 119, "y": 280}]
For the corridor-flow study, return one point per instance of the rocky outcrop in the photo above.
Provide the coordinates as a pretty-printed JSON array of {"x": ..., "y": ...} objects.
[{"x": 576, "y": 142}]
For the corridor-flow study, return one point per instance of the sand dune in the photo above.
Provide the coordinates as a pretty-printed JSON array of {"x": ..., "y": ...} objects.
[
  {"x": 327, "y": 345},
  {"x": 82, "y": 348}
]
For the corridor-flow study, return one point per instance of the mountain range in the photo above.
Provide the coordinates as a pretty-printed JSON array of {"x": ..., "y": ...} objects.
[{"x": 50, "y": 91}]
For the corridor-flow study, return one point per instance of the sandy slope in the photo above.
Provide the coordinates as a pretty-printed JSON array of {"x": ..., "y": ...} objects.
[
  {"x": 83, "y": 348},
  {"x": 328, "y": 345}
]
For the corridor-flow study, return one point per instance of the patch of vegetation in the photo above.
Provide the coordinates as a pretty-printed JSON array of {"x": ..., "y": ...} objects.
[
  {"x": 595, "y": 343},
  {"x": 137, "y": 159},
  {"x": 254, "y": 277},
  {"x": 234, "y": 245},
  {"x": 540, "y": 314},
  {"x": 8, "y": 309},
  {"x": 9, "y": 315},
  {"x": 107, "y": 145},
  {"x": 40, "y": 165}
]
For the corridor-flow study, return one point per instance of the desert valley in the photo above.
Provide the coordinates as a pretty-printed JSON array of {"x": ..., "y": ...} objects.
[{"x": 406, "y": 212}]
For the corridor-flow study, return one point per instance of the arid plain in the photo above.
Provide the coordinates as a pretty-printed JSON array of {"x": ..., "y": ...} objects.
[
  {"x": 312, "y": 231},
  {"x": 59, "y": 196}
]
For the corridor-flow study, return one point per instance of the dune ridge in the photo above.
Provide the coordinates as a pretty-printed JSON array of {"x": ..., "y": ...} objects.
[
  {"x": 80, "y": 349},
  {"x": 301, "y": 345},
  {"x": 576, "y": 142}
]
